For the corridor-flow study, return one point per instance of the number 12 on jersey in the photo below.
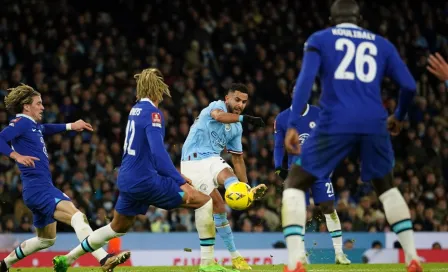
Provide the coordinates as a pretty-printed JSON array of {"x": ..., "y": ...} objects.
[
  {"x": 130, "y": 132},
  {"x": 363, "y": 54}
]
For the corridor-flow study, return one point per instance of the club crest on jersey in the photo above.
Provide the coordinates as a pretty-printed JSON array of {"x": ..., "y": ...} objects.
[
  {"x": 227, "y": 127},
  {"x": 156, "y": 120},
  {"x": 312, "y": 124},
  {"x": 303, "y": 137}
]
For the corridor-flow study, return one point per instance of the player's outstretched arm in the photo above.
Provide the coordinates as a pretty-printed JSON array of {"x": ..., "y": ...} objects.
[
  {"x": 399, "y": 72},
  {"x": 228, "y": 118},
  {"x": 305, "y": 81},
  {"x": 80, "y": 125},
  {"x": 164, "y": 165}
]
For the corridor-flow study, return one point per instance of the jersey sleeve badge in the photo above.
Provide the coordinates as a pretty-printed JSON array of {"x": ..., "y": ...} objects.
[
  {"x": 156, "y": 120},
  {"x": 14, "y": 121}
]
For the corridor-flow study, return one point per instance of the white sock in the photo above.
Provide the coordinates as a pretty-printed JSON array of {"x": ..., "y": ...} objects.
[
  {"x": 334, "y": 227},
  {"x": 96, "y": 240},
  {"x": 399, "y": 218},
  {"x": 82, "y": 229},
  {"x": 293, "y": 222},
  {"x": 26, "y": 248},
  {"x": 206, "y": 230}
]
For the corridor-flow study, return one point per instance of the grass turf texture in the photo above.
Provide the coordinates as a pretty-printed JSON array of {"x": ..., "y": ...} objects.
[{"x": 258, "y": 268}]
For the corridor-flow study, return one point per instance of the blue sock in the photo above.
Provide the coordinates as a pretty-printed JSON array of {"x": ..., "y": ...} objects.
[
  {"x": 224, "y": 230},
  {"x": 230, "y": 181}
]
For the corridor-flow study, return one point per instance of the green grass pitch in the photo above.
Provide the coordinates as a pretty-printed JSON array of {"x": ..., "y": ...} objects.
[{"x": 260, "y": 268}]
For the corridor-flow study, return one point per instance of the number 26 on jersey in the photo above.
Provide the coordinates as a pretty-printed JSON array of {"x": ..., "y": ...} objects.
[{"x": 364, "y": 57}]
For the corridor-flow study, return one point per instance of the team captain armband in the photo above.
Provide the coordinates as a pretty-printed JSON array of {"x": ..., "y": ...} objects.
[{"x": 156, "y": 120}]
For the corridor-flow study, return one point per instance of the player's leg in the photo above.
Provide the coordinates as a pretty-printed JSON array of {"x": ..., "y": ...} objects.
[
  {"x": 377, "y": 160},
  {"x": 126, "y": 209},
  {"x": 203, "y": 205},
  {"x": 225, "y": 231},
  {"x": 320, "y": 155},
  {"x": 206, "y": 175},
  {"x": 323, "y": 194},
  {"x": 223, "y": 175},
  {"x": 46, "y": 236},
  {"x": 67, "y": 213}
]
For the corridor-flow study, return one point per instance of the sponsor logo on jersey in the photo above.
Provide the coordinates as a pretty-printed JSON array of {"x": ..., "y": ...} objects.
[{"x": 303, "y": 137}]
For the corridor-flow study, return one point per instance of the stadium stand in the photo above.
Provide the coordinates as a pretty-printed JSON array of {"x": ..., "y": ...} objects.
[{"x": 82, "y": 59}]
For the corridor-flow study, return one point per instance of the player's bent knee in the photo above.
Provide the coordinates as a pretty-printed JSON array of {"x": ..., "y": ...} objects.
[
  {"x": 298, "y": 178},
  {"x": 121, "y": 223},
  {"x": 46, "y": 243},
  {"x": 384, "y": 184},
  {"x": 198, "y": 199},
  {"x": 327, "y": 207}
]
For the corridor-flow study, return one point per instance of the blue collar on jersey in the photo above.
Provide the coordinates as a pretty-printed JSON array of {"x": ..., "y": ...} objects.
[
  {"x": 148, "y": 100},
  {"x": 306, "y": 111},
  {"x": 348, "y": 25},
  {"x": 25, "y": 116}
]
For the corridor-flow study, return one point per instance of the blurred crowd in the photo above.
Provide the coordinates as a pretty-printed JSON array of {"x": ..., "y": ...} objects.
[{"x": 82, "y": 58}]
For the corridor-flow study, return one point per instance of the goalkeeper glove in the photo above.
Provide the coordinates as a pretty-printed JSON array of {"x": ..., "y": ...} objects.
[
  {"x": 281, "y": 172},
  {"x": 256, "y": 121}
]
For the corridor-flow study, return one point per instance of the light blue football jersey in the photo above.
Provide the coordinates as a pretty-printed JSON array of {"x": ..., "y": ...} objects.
[{"x": 208, "y": 137}]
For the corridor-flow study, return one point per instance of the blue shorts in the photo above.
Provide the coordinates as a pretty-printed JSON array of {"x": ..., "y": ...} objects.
[
  {"x": 321, "y": 153},
  {"x": 322, "y": 191},
  {"x": 42, "y": 202},
  {"x": 164, "y": 193}
]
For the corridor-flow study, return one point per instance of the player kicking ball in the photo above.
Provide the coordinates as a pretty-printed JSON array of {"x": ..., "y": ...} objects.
[
  {"x": 147, "y": 177},
  {"x": 218, "y": 127},
  {"x": 322, "y": 189},
  {"x": 47, "y": 203},
  {"x": 351, "y": 62}
]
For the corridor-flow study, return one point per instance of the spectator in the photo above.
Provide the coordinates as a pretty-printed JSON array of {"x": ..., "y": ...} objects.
[{"x": 84, "y": 69}]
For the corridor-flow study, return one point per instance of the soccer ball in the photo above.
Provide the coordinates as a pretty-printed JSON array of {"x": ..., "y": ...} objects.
[{"x": 238, "y": 196}]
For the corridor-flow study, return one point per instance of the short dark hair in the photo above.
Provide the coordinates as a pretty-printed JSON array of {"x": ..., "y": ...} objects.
[
  {"x": 238, "y": 87},
  {"x": 345, "y": 11}
]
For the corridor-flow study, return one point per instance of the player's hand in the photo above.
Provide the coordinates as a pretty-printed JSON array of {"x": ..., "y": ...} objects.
[
  {"x": 189, "y": 192},
  {"x": 393, "y": 125},
  {"x": 438, "y": 66},
  {"x": 281, "y": 172},
  {"x": 28, "y": 161},
  {"x": 292, "y": 142},
  {"x": 256, "y": 121},
  {"x": 189, "y": 181},
  {"x": 80, "y": 125}
]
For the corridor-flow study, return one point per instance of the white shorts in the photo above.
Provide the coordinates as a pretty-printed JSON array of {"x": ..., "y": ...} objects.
[{"x": 204, "y": 173}]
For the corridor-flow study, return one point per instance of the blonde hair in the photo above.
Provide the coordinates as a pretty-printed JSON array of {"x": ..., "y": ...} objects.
[
  {"x": 19, "y": 96},
  {"x": 150, "y": 84}
]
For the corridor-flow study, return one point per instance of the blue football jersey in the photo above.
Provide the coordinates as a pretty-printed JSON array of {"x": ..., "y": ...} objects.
[
  {"x": 353, "y": 62},
  {"x": 29, "y": 142},
  {"x": 27, "y": 138},
  {"x": 208, "y": 137},
  {"x": 144, "y": 153},
  {"x": 306, "y": 123}
]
